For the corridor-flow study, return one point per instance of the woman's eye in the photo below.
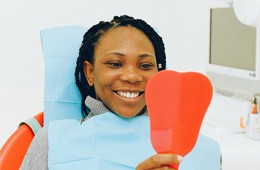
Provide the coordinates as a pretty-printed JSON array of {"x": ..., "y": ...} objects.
[
  {"x": 146, "y": 66},
  {"x": 114, "y": 64}
]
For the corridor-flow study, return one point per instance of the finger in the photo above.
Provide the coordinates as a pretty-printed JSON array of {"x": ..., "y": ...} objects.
[{"x": 159, "y": 160}]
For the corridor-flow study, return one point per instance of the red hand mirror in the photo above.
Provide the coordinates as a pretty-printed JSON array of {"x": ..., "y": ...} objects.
[{"x": 176, "y": 103}]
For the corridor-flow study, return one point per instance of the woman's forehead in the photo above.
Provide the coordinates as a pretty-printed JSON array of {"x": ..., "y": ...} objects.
[
  {"x": 123, "y": 34},
  {"x": 124, "y": 40},
  {"x": 119, "y": 31}
]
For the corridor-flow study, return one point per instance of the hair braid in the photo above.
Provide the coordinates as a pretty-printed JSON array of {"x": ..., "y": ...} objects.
[{"x": 90, "y": 39}]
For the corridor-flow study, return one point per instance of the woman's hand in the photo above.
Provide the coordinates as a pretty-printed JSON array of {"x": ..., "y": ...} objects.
[{"x": 160, "y": 161}]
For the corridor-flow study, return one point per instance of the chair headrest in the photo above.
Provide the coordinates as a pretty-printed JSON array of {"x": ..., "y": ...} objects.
[{"x": 62, "y": 99}]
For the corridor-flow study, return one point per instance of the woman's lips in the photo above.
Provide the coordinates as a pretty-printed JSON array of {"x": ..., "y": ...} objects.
[{"x": 128, "y": 94}]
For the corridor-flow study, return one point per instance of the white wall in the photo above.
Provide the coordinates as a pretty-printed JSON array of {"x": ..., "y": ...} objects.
[{"x": 182, "y": 24}]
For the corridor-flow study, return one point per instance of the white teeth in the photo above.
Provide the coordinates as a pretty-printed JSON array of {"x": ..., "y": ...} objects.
[{"x": 128, "y": 94}]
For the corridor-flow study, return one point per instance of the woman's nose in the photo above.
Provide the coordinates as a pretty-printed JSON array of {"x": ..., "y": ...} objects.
[{"x": 131, "y": 75}]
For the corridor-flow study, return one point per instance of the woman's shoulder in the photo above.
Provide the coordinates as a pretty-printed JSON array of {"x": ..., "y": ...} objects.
[
  {"x": 37, "y": 154},
  {"x": 42, "y": 134}
]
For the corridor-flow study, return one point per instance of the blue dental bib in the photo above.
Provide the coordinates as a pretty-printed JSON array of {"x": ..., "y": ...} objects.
[{"x": 108, "y": 141}]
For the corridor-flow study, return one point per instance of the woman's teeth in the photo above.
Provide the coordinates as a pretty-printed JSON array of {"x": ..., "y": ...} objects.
[{"x": 130, "y": 95}]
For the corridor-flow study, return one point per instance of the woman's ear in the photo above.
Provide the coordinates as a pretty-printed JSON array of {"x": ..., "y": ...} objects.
[{"x": 89, "y": 72}]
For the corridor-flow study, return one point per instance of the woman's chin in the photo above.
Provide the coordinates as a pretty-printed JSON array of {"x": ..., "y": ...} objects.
[
  {"x": 129, "y": 113},
  {"x": 126, "y": 115}
]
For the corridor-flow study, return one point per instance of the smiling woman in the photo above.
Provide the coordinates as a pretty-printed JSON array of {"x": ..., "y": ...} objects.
[
  {"x": 124, "y": 60},
  {"x": 116, "y": 59},
  {"x": 126, "y": 47}
]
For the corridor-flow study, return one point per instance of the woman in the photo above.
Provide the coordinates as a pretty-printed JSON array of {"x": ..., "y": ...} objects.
[{"x": 115, "y": 61}]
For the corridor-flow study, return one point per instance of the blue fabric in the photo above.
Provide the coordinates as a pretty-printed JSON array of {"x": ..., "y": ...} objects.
[
  {"x": 204, "y": 156},
  {"x": 108, "y": 141},
  {"x": 60, "y": 46}
]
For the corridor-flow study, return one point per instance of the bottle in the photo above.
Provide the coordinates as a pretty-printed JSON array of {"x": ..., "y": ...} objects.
[
  {"x": 253, "y": 127},
  {"x": 254, "y": 107}
]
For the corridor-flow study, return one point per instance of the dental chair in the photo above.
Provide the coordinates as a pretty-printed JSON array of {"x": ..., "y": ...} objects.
[
  {"x": 62, "y": 99},
  {"x": 60, "y": 49}
]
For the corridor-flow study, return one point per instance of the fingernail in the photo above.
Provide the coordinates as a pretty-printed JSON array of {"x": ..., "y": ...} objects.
[{"x": 180, "y": 158}]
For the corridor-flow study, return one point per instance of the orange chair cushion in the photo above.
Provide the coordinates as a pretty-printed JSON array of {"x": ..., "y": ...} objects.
[{"x": 15, "y": 148}]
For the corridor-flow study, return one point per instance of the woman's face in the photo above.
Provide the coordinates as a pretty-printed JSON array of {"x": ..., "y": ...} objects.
[{"x": 124, "y": 60}]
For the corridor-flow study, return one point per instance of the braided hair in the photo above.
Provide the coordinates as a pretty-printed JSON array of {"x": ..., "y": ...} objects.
[{"x": 90, "y": 39}]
